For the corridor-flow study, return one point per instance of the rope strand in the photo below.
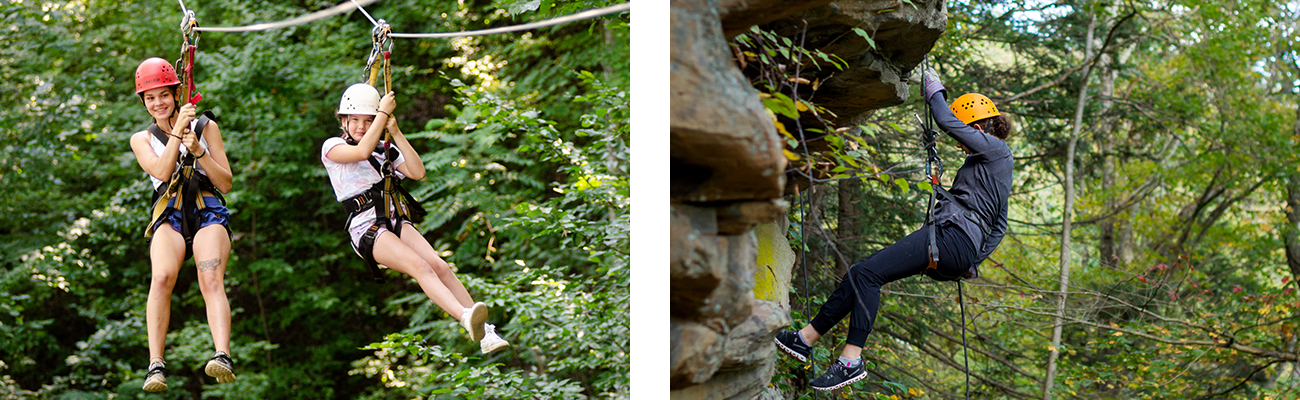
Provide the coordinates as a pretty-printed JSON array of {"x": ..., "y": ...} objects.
[
  {"x": 311, "y": 17},
  {"x": 516, "y": 28}
]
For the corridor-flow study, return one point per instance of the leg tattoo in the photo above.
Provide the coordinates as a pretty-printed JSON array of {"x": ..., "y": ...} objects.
[{"x": 208, "y": 265}]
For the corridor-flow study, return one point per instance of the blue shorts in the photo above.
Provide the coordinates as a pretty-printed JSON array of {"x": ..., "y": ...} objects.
[{"x": 213, "y": 213}]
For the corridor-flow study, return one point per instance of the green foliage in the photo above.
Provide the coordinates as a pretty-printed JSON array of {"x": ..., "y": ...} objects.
[
  {"x": 75, "y": 269},
  {"x": 1179, "y": 286}
]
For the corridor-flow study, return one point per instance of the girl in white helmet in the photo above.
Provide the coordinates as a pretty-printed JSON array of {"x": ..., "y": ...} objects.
[
  {"x": 354, "y": 164},
  {"x": 193, "y": 219}
]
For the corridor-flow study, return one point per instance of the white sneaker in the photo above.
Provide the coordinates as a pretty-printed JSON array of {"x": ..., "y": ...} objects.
[
  {"x": 491, "y": 341},
  {"x": 473, "y": 318}
]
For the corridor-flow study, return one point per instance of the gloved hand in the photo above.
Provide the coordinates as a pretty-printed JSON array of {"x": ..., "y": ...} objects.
[{"x": 930, "y": 83}]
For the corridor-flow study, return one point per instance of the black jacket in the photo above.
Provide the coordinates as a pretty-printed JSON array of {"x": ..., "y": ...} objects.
[{"x": 982, "y": 185}]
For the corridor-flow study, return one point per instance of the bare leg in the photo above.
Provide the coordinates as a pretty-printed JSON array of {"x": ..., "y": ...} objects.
[
  {"x": 809, "y": 334},
  {"x": 420, "y": 245},
  {"x": 392, "y": 252},
  {"x": 166, "y": 253},
  {"x": 851, "y": 352},
  {"x": 211, "y": 252}
]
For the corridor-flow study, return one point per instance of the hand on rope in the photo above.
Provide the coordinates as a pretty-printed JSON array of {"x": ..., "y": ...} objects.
[
  {"x": 189, "y": 138},
  {"x": 181, "y": 128},
  {"x": 930, "y": 83}
]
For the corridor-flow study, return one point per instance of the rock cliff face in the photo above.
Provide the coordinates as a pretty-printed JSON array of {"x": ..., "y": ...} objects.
[{"x": 730, "y": 262}]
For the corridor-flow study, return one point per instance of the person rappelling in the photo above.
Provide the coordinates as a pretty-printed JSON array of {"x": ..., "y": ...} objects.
[
  {"x": 185, "y": 159},
  {"x": 965, "y": 224},
  {"x": 366, "y": 174}
]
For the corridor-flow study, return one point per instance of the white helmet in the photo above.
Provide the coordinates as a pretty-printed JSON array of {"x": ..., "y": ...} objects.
[{"x": 361, "y": 99}]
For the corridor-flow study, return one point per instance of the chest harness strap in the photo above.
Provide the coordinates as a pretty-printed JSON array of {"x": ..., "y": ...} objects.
[
  {"x": 392, "y": 203},
  {"x": 182, "y": 190}
]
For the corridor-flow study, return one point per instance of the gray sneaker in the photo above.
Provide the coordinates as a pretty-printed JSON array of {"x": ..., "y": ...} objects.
[
  {"x": 220, "y": 366},
  {"x": 156, "y": 379},
  {"x": 839, "y": 376},
  {"x": 791, "y": 343}
]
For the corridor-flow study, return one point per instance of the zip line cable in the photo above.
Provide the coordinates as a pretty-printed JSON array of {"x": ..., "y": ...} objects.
[
  {"x": 357, "y": 4},
  {"x": 592, "y": 13},
  {"x": 363, "y": 12},
  {"x": 312, "y": 17}
]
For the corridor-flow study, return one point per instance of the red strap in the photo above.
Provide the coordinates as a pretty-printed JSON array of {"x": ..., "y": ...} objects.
[{"x": 189, "y": 74}]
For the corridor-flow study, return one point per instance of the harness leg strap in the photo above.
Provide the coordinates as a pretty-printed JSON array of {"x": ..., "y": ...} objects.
[{"x": 368, "y": 251}]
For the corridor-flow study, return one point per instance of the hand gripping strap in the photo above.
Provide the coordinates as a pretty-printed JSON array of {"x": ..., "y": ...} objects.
[{"x": 184, "y": 186}]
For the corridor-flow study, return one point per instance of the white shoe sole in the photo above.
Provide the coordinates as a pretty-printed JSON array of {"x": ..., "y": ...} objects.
[
  {"x": 478, "y": 315},
  {"x": 216, "y": 370},
  {"x": 155, "y": 385},
  {"x": 843, "y": 384},
  {"x": 494, "y": 346}
]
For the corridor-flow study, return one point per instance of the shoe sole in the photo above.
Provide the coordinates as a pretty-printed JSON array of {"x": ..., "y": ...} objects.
[
  {"x": 478, "y": 314},
  {"x": 495, "y": 347},
  {"x": 155, "y": 386},
  {"x": 216, "y": 370},
  {"x": 843, "y": 384},
  {"x": 790, "y": 351}
]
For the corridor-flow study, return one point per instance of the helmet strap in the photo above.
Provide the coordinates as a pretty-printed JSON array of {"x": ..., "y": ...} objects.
[{"x": 347, "y": 136}]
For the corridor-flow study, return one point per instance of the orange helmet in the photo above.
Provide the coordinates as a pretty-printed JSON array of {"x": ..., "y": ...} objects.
[
  {"x": 154, "y": 73},
  {"x": 973, "y": 107}
]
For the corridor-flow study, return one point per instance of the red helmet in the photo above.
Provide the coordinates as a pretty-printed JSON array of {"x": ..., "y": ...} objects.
[{"x": 155, "y": 73}]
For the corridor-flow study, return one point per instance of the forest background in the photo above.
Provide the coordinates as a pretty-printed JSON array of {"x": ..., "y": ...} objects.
[
  {"x": 525, "y": 137},
  {"x": 1154, "y": 229}
]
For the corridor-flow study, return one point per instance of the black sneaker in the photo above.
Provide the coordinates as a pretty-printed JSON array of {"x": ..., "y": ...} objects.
[
  {"x": 839, "y": 376},
  {"x": 790, "y": 343},
  {"x": 220, "y": 366},
  {"x": 156, "y": 379}
]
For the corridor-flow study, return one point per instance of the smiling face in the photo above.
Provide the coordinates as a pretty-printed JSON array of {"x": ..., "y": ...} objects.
[
  {"x": 356, "y": 125},
  {"x": 159, "y": 102}
]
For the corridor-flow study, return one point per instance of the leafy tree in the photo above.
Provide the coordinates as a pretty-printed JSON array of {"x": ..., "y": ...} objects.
[
  {"x": 1179, "y": 287},
  {"x": 524, "y": 136}
]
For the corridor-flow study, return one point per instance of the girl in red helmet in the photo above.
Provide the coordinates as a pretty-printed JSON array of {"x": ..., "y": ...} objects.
[
  {"x": 969, "y": 221},
  {"x": 354, "y": 161},
  {"x": 186, "y": 162}
]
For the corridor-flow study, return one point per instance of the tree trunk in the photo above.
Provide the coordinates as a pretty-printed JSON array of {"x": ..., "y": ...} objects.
[
  {"x": 846, "y": 232},
  {"x": 1064, "y": 283},
  {"x": 1292, "y": 235},
  {"x": 1106, "y": 142}
]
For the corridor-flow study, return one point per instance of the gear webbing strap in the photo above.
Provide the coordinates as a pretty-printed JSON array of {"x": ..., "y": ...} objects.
[{"x": 932, "y": 157}]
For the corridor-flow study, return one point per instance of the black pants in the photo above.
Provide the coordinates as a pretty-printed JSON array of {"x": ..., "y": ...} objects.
[{"x": 859, "y": 292}]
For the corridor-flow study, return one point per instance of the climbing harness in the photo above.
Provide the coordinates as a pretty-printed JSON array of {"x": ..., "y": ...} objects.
[
  {"x": 182, "y": 191},
  {"x": 392, "y": 203}
]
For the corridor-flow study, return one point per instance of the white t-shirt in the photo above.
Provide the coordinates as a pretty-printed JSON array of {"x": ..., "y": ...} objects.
[
  {"x": 158, "y": 148},
  {"x": 352, "y": 179}
]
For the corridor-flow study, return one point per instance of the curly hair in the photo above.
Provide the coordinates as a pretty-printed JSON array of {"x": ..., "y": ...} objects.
[{"x": 998, "y": 126}]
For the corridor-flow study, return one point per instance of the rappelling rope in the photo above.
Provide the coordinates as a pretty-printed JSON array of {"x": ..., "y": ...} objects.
[{"x": 933, "y": 157}]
